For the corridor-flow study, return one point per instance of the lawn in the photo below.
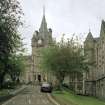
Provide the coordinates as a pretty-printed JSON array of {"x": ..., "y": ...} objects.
[
  {"x": 69, "y": 98},
  {"x": 4, "y": 92}
]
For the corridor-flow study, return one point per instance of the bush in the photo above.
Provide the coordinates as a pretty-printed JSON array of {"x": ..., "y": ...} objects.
[
  {"x": 9, "y": 85},
  {"x": 65, "y": 85}
]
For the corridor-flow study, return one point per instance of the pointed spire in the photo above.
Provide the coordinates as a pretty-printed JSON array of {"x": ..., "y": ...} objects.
[
  {"x": 102, "y": 31},
  {"x": 89, "y": 29},
  {"x": 43, "y": 10},
  {"x": 43, "y": 26},
  {"x": 89, "y": 36}
]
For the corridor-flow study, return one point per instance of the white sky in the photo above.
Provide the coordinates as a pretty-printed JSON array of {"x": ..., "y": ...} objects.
[{"x": 63, "y": 16}]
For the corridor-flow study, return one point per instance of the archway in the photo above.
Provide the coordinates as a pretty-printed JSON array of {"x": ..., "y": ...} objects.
[{"x": 39, "y": 77}]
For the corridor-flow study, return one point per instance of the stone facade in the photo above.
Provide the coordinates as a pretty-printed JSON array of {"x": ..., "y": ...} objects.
[
  {"x": 94, "y": 49},
  {"x": 92, "y": 82},
  {"x": 27, "y": 76},
  {"x": 40, "y": 39}
]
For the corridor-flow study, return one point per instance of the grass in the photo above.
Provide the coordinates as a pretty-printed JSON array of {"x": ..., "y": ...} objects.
[
  {"x": 4, "y": 92},
  {"x": 4, "y": 95},
  {"x": 69, "y": 98}
]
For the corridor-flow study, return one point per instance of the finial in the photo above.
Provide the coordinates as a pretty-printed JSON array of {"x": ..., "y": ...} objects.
[
  {"x": 43, "y": 10},
  {"x": 89, "y": 29}
]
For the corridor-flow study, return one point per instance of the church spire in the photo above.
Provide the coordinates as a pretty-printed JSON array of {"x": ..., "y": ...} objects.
[
  {"x": 102, "y": 31},
  {"x": 43, "y": 10},
  {"x": 89, "y": 36},
  {"x": 43, "y": 27}
]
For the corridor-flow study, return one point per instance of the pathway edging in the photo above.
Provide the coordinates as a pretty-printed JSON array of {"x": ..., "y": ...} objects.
[
  {"x": 52, "y": 99},
  {"x": 14, "y": 94}
]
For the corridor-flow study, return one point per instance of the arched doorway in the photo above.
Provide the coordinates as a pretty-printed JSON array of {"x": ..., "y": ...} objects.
[{"x": 39, "y": 77}]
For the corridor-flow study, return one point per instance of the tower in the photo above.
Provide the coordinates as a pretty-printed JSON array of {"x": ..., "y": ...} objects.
[
  {"x": 40, "y": 39},
  {"x": 89, "y": 46},
  {"x": 89, "y": 51}
]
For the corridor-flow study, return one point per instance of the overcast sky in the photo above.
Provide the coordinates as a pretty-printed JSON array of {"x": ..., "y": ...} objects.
[{"x": 63, "y": 16}]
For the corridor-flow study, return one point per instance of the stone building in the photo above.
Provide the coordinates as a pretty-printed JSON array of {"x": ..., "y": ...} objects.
[
  {"x": 27, "y": 75},
  {"x": 40, "y": 40},
  {"x": 93, "y": 81},
  {"x": 94, "y": 50}
]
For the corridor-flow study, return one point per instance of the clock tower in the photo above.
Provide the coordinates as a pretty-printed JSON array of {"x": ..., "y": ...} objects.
[{"x": 40, "y": 39}]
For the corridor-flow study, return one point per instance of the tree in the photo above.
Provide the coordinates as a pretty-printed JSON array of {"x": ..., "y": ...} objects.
[
  {"x": 16, "y": 67},
  {"x": 10, "y": 41},
  {"x": 64, "y": 58}
]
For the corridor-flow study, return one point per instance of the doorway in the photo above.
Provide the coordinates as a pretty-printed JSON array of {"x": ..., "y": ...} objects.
[{"x": 39, "y": 77}]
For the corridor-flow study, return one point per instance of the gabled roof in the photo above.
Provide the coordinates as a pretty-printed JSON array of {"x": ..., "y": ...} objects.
[{"x": 89, "y": 36}]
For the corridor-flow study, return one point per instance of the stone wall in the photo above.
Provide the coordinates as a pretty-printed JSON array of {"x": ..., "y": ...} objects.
[
  {"x": 100, "y": 88},
  {"x": 95, "y": 82}
]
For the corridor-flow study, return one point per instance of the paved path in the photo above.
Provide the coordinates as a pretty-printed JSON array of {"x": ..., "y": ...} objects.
[{"x": 30, "y": 96}]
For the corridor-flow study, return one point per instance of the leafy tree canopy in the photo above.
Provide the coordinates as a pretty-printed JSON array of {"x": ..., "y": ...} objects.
[
  {"x": 63, "y": 58},
  {"x": 10, "y": 39}
]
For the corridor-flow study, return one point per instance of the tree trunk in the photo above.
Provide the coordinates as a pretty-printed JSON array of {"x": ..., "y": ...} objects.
[
  {"x": 13, "y": 77},
  {"x": 18, "y": 80},
  {"x": 2, "y": 80},
  {"x": 69, "y": 80},
  {"x": 60, "y": 79},
  {"x": 76, "y": 84}
]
